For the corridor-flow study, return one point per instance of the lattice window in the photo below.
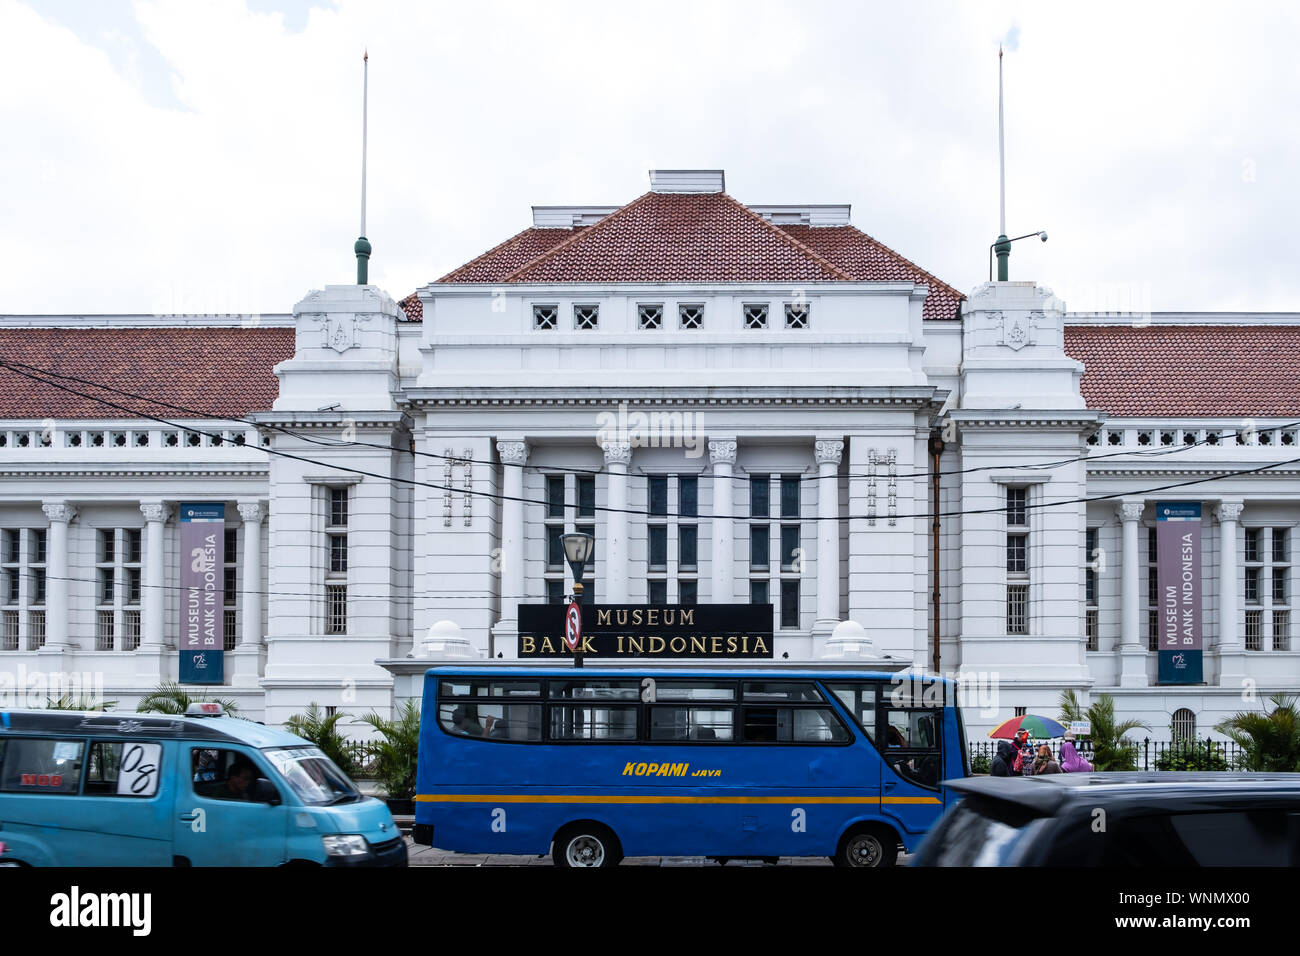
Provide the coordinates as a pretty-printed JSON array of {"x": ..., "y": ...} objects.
[
  {"x": 1254, "y": 630},
  {"x": 691, "y": 316},
  {"x": 545, "y": 317},
  {"x": 796, "y": 315},
  {"x": 1183, "y": 725},
  {"x": 130, "y": 630},
  {"x": 586, "y": 317},
  {"x": 1017, "y": 608},
  {"x": 336, "y": 609},
  {"x": 650, "y": 317},
  {"x": 755, "y": 316}
]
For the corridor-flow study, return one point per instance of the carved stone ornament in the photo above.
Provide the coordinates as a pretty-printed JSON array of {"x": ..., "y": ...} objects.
[
  {"x": 1229, "y": 510},
  {"x": 155, "y": 510},
  {"x": 722, "y": 452},
  {"x": 1016, "y": 333},
  {"x": 1130, "y": 510},
  {"x": 342, "y": 333},
  {"x": 617, "y": 452},
  {"x": 828, "y": 452},
  {"x": 513, "y": 452},
  {"x": 59, "y": 511},
  {"x": 251, "y": 511}
]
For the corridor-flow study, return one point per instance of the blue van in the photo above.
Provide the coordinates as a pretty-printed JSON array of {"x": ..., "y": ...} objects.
[{"x": 206, "y": 789}]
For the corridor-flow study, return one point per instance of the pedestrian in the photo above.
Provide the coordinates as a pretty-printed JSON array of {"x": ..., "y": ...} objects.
[
  {"x": 1071, "y": 762},
  {"x": 1045, "y": 762},
  {"x": 1001, "y": 766}
]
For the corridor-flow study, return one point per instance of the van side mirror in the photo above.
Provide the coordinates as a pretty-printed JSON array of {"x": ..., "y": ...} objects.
[{"x": 265, "y": 792}]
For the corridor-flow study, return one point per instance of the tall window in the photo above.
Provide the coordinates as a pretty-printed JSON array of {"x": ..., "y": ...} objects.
[
  {"x": 673, "y": 539},
  {"x": 1182, "y": 728},
  {"x": 1091, "y": 573},
  {"x": 1017, "y": 560},
  {"x": 336, "y": 561},
  {"x": 21, "y": 580},
  {"x": 781, "y": 581},
  {"x": 570, "y": 506},
  {"x": 229, "y": 613},
  {"x": 1153, "y": 594},
  {"x": 117, "y": 571},
  {"x": 1280, "y": 588},
  {"x": 1255, "y": 570}
]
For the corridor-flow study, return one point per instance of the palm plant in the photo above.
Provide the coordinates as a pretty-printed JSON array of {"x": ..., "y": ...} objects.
[
  {"x": 396, "y": 754},
  {"x": 170, "y": 697},
  {"x": 322, "y": 730},
  {"x": 68, "y": 702},
  {"x": 1270, "y": 741},
  {"x": 1109, "y": 748}
]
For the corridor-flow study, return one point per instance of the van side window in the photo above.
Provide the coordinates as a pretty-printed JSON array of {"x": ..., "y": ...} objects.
[
  {"x": 859, "y": 699},
  {"x": 34, "y": 765},
  {"x": 118, "y": 768},
  {"x": 223, "y": 774}
]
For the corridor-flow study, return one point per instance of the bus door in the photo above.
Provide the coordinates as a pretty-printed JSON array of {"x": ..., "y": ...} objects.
[{"x": 912, "y": 764}]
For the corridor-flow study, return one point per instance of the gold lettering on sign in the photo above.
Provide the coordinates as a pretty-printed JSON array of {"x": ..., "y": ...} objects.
[
  {"x": 652, "y": 617},
  {"x": 688, "y": 617},
  {"x": 586, "y": 645},
  {"x": 620, "y": 643},
  {"x": 622, "y": 617},
  {"x": 759, "y": 646},
  {"x": 678, "y": 645},
  {"x": 602, "y": 617},
  {"x": 697, "y": 646},
  {"x": 636, "y": 617},
  {"x": 731, "y": 645},
  {"x": 656, "y": 648},
  {"x": 527, "y": 645},
  {"x": 635, "y": 644},
  {"x": 715, "y": 645},
  {"x": 547, "y": 646}
]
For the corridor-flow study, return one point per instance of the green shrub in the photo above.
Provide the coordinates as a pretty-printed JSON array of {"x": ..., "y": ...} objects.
[
  {"x": 170, "y": 697},
  {"x": 981, "y": 763},
  {"x": 1192, "y": 755},
  {"x": 397, "y": 753},
  {"x": 1110, "y": 751},
  {"x": 322, "y": 730},
  {"x": 1270, "y": 741}
]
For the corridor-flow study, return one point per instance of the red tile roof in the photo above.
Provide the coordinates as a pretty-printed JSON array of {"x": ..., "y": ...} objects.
[
  {"x": 710, "y": 237},
  {"x": 1166, "y": 371},
  {"x": 867, "y": 260},
  {"x": 226, "y": 371}
]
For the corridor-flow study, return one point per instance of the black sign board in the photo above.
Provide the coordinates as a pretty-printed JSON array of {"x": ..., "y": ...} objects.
[{"x": 620, "y": 631}]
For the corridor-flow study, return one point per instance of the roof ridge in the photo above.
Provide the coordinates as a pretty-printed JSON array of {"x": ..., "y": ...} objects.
[
  {"x": 501, "y": 245},
  {"x": 539, "y": 259},
  {"x": 801, "y": 246}
]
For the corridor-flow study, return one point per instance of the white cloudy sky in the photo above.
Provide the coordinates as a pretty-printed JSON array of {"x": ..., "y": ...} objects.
[{"x": 205, "y": 156}]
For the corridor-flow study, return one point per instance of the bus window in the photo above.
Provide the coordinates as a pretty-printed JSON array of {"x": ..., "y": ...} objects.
[
  {"x": 42, "y": 766},
  {"x": 691, "y": 723},
  {"x": 596, "y": 689},
  {"x": 860, "y": 701},
  {"x": 478, "y": 687},
  {"x": 694, "y": 690},
  {"x": 491, "y": 721},
  {"x": 781, "y": 690},
  {"x": 586, "y": 722},
  {"x": 807, "y": 725},
  {"x": 912, "y": 744}
]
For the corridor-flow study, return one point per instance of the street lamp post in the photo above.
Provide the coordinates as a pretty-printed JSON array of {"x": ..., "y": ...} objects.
[
  {"x": 1003, "y": 248},
  {"x": 577, "y": 549}
]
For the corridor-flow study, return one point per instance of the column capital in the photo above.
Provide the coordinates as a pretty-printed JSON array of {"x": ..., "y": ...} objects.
[
  {"x": 513, "y": 452},
  {"x": 617, "y": 452},
  {"x": 1130, "y": 510},
  {"x": 155, "y": 510},
  {"x": 251, "y": 511},
  {"x": 828, "y": 452},
  {"x": 723, "y": 452},
  {"x": 1229, "y": 510},
  {"x": 59, "y": 510}
]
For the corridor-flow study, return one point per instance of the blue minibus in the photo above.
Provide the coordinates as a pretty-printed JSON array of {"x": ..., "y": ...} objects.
[
  {"x": 119, "y": 789},
  {"x": 602, "y": 762}
]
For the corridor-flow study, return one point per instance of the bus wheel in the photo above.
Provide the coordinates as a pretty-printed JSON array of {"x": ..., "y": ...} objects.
[
  {"x": 867, "y": 846},
  {"x": 586, "y": 844}
]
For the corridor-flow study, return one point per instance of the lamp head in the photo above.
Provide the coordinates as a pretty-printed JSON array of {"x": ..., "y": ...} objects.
[{"x": 578, "y": 547}]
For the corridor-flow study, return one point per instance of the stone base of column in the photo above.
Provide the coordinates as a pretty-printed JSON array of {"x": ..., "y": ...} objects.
[
  {"x": 54, "y": 658},
  {"x": 823, "y": 628},
  {"x": 1232, "y": 665},
  {"x": 505, "y": 640},
  {"x": 155, "y": 663},
  {"x": 245, "y": 665},
  {"x": 1133, "y": 667}
]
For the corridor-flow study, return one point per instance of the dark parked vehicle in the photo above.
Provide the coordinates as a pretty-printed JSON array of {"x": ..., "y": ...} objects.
[{"x": 1120, "y": 819}]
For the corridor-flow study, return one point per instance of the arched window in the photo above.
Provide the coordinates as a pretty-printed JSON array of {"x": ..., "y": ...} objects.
[{"x": 1183, "y": 725}]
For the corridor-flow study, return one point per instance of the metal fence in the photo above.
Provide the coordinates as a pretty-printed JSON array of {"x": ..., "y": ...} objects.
[
  {"x": 1148, "y": 754},
  {"x": 362, "y": 757}
]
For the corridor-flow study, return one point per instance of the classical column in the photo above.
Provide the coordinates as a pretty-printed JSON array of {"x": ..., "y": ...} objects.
[
  {"x": 618, "y": 456},
  {"x": 60, "y": 514},
  {"x": 251, "y": 616},
  {"x": 1130, "y": 513},
  {"x": 1132, "y": 653},
  {"x": 723, "y": 456},
  {"x": 828, "y": 454},
  {"x": 1228, "y": 512},
  {"x": 152, "y": 630},
  {"x": 513, "y": 455}
]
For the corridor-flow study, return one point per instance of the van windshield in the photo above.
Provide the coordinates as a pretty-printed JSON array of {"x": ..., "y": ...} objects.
[{"x": 313, "y": 776}]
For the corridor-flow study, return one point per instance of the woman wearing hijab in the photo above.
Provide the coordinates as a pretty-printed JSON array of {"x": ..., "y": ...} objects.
[{"x": 1071, "y": 762}]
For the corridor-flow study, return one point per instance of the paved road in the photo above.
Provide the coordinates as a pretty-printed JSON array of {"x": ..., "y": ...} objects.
[{"x": 427, "y": 856}]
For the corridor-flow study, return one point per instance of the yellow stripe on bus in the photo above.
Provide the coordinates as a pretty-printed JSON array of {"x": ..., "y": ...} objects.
[{"x": 591, "y": 798}]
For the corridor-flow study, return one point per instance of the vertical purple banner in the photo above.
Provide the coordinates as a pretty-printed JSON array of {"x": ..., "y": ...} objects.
[
  {"x": 1178, "y": 579},
  {"x": 203, "y": 545}
]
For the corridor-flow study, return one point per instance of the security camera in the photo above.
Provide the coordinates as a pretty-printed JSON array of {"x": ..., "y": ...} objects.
[{"x": 1042, "y": 236}]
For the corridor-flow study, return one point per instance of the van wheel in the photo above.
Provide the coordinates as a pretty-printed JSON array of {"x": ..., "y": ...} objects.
[
  {"x": 586, "y": 845},
  {"x": 867, "y": 846}
]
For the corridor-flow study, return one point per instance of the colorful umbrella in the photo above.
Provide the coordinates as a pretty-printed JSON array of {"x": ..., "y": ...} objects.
[{"x": 1040, "y": 728}]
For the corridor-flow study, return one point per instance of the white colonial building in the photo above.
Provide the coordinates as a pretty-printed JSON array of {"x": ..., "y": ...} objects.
[{"x": 745, "y": 405}]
